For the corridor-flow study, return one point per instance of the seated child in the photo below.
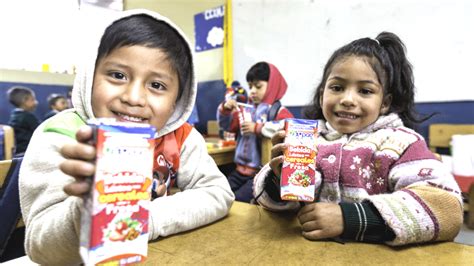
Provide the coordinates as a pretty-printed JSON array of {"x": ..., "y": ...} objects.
[
  {"x": 376, "y": 179},
  {"x": 22, "y": 119},
  {"x": 56, "y": 102},
  {"x": 142, "y": 72},
  {"x": 267, "y": 87}
]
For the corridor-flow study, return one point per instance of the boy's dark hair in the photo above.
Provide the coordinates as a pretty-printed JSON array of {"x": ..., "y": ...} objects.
[
  {"x": 17, "y": 95},
  {"x": 259, "y": 71},
  {"x": 146, "y": 31},
  {"x": 386, "y": 55},
  {"x": 54, "y": 97}
]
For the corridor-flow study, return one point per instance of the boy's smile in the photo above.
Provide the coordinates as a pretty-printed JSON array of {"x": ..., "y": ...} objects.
[
  {"x": 353, "y": 97},
  {"x": 135, "y": 84}
]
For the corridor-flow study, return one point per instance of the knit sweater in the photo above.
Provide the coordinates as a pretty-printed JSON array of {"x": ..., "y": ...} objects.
[
  {"x": 390, "y": 167},
  {"x": 53, "y": 218}
]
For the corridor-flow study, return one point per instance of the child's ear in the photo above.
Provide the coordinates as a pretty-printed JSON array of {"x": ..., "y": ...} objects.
[{"x": 387, "y": 101}]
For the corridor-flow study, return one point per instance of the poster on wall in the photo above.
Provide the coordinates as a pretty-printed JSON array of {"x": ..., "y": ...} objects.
[{"x": 209, "y": 29}]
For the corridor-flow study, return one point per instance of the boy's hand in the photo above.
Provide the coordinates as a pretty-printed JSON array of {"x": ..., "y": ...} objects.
[
  {"x": 278, "y": 150},
  {"x": 321, "y": 220},
  {"x": 79, "y": 162},
  {"x": 231, "y": 104},
  {"x": 248, "y": 128}
]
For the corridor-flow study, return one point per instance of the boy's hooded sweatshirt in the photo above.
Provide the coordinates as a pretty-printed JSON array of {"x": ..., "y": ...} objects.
[{"x": 52, "y": 217}]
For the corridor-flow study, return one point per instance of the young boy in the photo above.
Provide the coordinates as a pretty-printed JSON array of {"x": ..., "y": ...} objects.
[
  {"x": 56, "y": 102},
  {"x": 142, "y": 72},
  {"x": 22, "y": 119},
  {"x": 267, "y": 86}
]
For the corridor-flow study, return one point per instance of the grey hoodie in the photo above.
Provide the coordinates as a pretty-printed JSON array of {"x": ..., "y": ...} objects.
[{"x": 52, "y": 218}]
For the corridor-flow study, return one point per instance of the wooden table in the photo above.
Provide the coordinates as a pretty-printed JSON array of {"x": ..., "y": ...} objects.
[
  {"x": 251, "y": 235},
  {"x": 223, "y": 155}
]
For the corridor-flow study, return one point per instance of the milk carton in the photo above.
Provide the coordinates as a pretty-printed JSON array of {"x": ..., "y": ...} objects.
[
  {"x": 298, "y": 171},
  {"x": 114, "y": 221},
  {"x": 245, "y": 112}
]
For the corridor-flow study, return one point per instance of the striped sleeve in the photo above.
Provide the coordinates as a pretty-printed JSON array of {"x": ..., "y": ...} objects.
[{"x": 362, "y": 222}]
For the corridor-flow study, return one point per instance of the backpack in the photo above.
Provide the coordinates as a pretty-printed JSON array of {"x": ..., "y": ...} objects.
[{"x": 272, "y": 113}]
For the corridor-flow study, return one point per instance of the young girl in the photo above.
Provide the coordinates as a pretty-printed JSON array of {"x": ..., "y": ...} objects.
[
  {"x": 378, "y": 182},
  {"x": 267, "y": 86},
  {"x": 140, "y": 70}
]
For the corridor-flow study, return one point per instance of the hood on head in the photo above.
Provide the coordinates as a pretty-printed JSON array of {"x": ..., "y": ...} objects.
[
  {"x": 82, "y": 89},
  {"x": 276, "y": 87}
]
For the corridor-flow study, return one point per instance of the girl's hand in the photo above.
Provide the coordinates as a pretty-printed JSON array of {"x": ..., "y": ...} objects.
[
  {"x": 321, "y": 220},
  {"x": 278, "y": 150},
  {"x": 79, "y": 162},
  {"x": 248, "y": 128},
  {"x": 231, "y": 104}
]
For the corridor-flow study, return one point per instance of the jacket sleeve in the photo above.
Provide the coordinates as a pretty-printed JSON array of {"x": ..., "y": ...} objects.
[
  {"x": 205, "y": 193},
  {"x": 52, "y": 218},
  {"x": 267, "y": 129},
  {"x": 266, "y": 198},
  {"x": 228, "y": 120},
  {"x": 425, "y": 204}
]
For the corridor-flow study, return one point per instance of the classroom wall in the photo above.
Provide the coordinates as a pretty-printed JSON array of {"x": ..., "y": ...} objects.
[{"x": 299, "y": 37}]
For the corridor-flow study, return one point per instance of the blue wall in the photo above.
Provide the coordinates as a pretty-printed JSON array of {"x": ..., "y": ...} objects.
[
  {"x": 211, "y": 93},
  {"x": 42, "y": 91}
]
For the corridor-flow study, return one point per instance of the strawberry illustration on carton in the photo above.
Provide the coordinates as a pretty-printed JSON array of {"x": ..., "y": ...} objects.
[
  {"x": 114, "y": 221},
  {"x": 298, "y": 171}
]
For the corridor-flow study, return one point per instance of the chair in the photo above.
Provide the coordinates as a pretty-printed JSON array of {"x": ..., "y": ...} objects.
[
  {"x": 212, "y": 128},
  {"x": 267, "y": 145},
  {"x": 8, "y": 141},
  {"x": 11, "y": 224},
  {"x": 440, "y": 137}
]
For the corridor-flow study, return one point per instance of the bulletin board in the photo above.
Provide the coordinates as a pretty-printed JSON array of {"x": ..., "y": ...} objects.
[{"x": 298, "y": 36}]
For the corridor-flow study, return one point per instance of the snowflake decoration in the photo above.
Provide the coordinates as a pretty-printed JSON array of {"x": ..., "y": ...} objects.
[
  {"x": 380, "y": 181},
  {"x": 352, "y": 167},
  {"x": 356, "y": 159},
  {"x": 368, "y": 186},
  {"x": 366, "y": 173}
]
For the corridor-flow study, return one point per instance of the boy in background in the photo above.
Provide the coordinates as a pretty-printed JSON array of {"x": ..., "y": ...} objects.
[
  {"x": 267, "y": 86},
  {"x": 22, "y": 119},
  {"x": 56, "y": 102}
]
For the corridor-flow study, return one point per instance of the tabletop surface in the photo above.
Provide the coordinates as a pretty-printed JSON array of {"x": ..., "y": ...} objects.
[{"x": 251, "y": 235}]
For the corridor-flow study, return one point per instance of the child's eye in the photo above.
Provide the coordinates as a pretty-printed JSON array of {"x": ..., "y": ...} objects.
[
  {"x": 335, "y": 88},
  {"x": 365, "y": 91},
  {"x": 157, "y": 86},
  {"x": 117, "y": 75}
]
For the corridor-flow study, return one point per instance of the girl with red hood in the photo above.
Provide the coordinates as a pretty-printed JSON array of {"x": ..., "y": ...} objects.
[{"x": 267, "y": 86}]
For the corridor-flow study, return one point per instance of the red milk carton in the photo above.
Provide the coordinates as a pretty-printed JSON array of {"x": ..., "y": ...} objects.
[
  {"x": 114, "y": 221},
  {"x": 298, "y": 171}
]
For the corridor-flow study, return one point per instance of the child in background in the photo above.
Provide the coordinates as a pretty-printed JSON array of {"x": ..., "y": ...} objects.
[
  {"x": 22, "y": 119},
  {"x": 142, "y": 72},
  {"x": 380, "y": 183},
  {"x": 267, "y": 86},
  {"x": 56, "y": 102}
]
